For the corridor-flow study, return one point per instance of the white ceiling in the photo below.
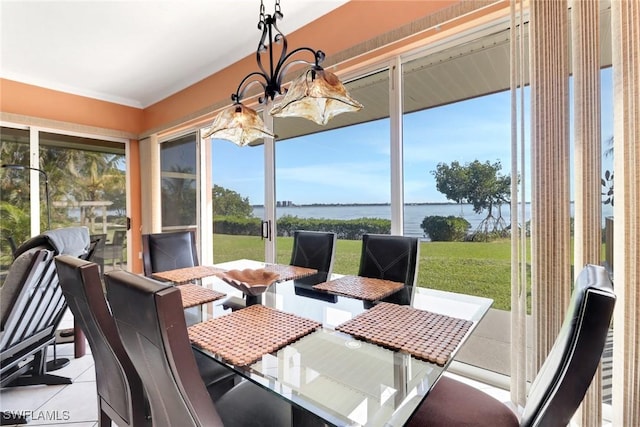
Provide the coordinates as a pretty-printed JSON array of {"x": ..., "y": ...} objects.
[{"x": 134, "y": 52}]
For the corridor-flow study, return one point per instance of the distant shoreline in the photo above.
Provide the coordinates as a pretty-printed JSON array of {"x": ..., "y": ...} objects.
[{"x": 312, "y": 205}]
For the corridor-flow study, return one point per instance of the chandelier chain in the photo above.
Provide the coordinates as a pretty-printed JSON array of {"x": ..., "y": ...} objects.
[{"x": 261, "y": 21}]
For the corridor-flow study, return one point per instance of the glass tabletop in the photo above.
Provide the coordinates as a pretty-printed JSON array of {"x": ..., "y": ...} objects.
[{"x": 344, "y": 380}]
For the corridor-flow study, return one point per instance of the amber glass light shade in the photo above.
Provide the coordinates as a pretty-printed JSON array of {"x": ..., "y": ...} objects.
[
  {"x": 238, "y": 124},
  {"x": 317, "y": 95}
]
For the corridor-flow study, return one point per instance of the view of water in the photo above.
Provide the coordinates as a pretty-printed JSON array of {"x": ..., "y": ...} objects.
[{"x": 413, "y": 214}]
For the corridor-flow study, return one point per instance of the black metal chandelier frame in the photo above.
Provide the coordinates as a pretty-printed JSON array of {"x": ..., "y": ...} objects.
[{"x": 272, "y": 84}]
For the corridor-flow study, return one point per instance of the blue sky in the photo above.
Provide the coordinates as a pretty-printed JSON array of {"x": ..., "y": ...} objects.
[{"x": 351, "y": 165}]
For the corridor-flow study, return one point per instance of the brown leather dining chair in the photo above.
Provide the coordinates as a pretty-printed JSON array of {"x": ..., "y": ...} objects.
[
  {"x": 151, "y": 324},
  {"x": 120, "y": 392},
  {"x": 168, "y": 251},
  {"x": 392, "y": 258},
  {"x": 562, "y": 381},
  {"x": 121, "y": 396}
]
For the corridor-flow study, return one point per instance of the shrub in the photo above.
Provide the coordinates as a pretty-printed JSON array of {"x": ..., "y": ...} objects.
[
  {"x": 240, "y": 226},
  {"x": 445, "y": 229},
  {"x": 350, "y": 229}
]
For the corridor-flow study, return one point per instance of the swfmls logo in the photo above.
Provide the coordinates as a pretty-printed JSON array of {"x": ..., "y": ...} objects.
[{"x": 37, "y": 415}]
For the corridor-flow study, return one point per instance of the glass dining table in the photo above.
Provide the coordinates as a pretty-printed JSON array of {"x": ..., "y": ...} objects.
[{"x": 341, "y": 379}]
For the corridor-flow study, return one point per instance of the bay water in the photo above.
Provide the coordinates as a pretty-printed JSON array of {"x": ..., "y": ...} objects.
[{"x": 414, "y": 214}]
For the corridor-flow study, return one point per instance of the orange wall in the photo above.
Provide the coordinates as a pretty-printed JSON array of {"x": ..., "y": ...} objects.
[
  {"x": 353, "y": 23},
  {"x": 33, "y": 101}
]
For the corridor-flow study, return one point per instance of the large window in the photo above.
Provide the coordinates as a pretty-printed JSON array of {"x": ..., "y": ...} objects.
[
  {"x": 178, "y": 165},
  {"x": 337, "y": 179},
  {"x": 238, "y": 193},
  {"x": 457, "y": 175},
  {"x": 82, "y": 182}
]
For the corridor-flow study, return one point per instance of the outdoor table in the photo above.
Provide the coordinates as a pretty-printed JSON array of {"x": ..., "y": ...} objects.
[{"x": 292, "y": 345}]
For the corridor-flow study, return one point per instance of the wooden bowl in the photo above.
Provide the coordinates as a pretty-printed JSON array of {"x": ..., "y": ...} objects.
[{"x": 250, "y": 281}]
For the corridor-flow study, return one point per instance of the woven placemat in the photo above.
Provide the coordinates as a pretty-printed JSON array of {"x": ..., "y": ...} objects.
[
  {"x": 193, "y": 295},
  {"x": 289, "y": 272},
  {"x": 365, "y": 288},
  {"x": 187, "y": 274},
  {"x": 425, "y": 335},
  {"x": 244, "y": 336}
]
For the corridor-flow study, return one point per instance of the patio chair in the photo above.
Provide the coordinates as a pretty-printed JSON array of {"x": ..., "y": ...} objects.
[
  {"x": 151, "y": 324},
  {"x": 32, "y": 305},
  {"x": 562, "y": 381},
  {"x": 168, "y": 251},
  {"x": 113, "y": 250},
  {"x": 391, "y": 258},
  {"x": 98, "y": 242}
]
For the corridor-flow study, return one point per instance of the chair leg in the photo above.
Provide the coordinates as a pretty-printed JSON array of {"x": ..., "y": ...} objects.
[
  {"x": 38, "y": 373},
  {"x": 46, "y": 379},
  {"x": 105, "y": 421}
]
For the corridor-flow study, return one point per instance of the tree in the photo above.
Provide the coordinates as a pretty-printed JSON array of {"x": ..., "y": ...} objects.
[
  {"x": 479, "y": 184},
  {"x": 230, "y": 203},
  {"x": 452, "y": 181}
]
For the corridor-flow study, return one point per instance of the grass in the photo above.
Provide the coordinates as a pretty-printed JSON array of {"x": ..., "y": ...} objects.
[{"x": 475, "y": 268}]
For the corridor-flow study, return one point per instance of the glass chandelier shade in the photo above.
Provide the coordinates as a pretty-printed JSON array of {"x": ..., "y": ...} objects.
[
  {"x": 317, "y": 95},
  {"x": 238, "y": 124}
]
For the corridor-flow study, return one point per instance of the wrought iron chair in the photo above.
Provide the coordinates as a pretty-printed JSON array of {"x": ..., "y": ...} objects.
[
  {"x": 562, "y": 381},
  {"x": 168, "y": 251},
  {"x": 151, "y": 324},
  {"x": 391, "y": 258}
]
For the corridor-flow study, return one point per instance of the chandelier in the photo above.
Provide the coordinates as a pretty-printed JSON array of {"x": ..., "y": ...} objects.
[{"x": 317, "y": 94}]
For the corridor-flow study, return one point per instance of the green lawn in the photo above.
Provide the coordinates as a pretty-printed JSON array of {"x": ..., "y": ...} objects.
[{"x": 467, "y": 267}]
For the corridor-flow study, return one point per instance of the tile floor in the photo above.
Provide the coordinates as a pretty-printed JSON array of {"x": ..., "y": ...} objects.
[{"x": 75, "y": 404}]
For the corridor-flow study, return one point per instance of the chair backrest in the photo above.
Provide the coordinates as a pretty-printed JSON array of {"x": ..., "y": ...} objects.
[
  {"x": 96, "y": 249},
  {"x": 391, "y": 258},
  {"x": 314, "y": 249},
  {"x": 168, "y": 251},
  {"x": 568, "y": 370},
  {"x": 118, "y": 384},
  {"x": 151, "y": 323},
  {"x": 118, "y": 237}
]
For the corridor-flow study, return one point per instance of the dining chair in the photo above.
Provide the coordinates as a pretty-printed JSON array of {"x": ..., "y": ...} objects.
[
  {"x": 313, "y": 249},
  {"x": 392, "y": 258},
  {"x": 168, "y": 251},
  {"x": 120, "y": 391},
  {"x": 562, "y": 381},
  {"x": 151, "y": 324}
]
